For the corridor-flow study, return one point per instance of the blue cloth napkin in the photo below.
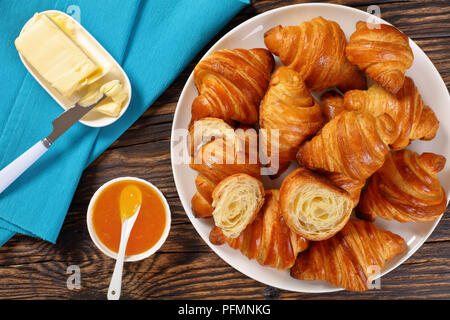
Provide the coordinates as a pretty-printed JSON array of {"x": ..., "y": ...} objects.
[{"x": 153, "y": 40}]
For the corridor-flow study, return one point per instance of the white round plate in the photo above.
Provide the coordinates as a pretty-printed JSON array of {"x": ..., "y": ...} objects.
[{"x": 250, "y": 34}]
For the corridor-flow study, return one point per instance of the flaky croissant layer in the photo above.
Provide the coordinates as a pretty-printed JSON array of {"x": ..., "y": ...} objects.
[
  {"x": 268, "y": 239},
  {"x": 236, "y": 201},
  {"x": 313, "y": 206}
]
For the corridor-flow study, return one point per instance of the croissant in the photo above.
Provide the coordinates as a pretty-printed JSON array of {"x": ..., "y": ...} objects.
[
  {"x": 231, "y": 84},
  {"x": 316, "y": 49},
  {"x": 354, "y": 144},
  {"x": 268, "y": 239},
  {"x": 351, "y": 258},
  {"x": 312, "y": 206},
  {"x": 352, "y": 186},
  {"x": 202, "y": 200},
  {"x": 406, "y": 188},
  {"x": 383, "y": 53},
  {"x": 217, "y": 160},
  {"x": 413, "y": 119},
  {"x": 236, "y": 201},
  {"x": 332, "y": 104},
  {"x": 203, "y": 130},
  {"x": 289, "y": 108}
]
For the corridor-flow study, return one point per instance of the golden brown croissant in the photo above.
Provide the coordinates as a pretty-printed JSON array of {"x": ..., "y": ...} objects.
[
  {"x": 332, "y": 104},
  {"x": 352, "y": 186},
  {"x": 268, "y": 239},
  {"x": 350, "y": 258},
  {"x": 406, "y": 189},
  {"x": 413, "y": 119},
  {"x": 236, "y": 201},
  {"x": 289, "y": 108},
  {"x": 354, "y": 144},
  {"x": 215, "y": 164},
  {"x": 206, "y": 129},
  {"x": 313, "y": 206},
  {"x": 316, "y": 49},
  {"x": 202, "y": 200},
  {"x": 231, "y": 84},
  {"x": 383, "y": 53}
]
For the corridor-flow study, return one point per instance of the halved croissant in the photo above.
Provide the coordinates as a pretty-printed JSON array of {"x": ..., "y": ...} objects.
[
  {"x": 354, "y": 144},
  {"x": 316, "y": 49},
  {"x": 312, "y": 206},
  {"x": 382, "y": 52},
  {"x": 236, "y": 201},
  {"x": 413, "y": 119},
  {"x": 351, "y": 258},
  {"x": 406, "y": 189},
  {"x": 289, "y": 108},
  {"x": 231, "y": 84},
  {"x": 268, "y": 239}
]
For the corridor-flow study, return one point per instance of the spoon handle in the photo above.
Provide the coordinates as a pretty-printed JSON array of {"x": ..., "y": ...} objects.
[{"x": 115, "y": 285}]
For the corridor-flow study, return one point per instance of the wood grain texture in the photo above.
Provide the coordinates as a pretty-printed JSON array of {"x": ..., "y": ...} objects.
[{"x": 185, "y": 267}]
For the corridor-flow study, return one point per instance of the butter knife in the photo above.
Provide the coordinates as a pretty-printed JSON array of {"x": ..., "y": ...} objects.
[{"x": 60, "y": 125}]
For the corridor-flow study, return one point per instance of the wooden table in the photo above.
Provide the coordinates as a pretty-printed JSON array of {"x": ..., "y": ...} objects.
[{"x": 185, "y": 267}]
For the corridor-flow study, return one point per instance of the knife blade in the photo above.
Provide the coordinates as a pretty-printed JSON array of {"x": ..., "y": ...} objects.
[
  {"x": 67, "y": 119},
  {"x": 60, "y": 125}
]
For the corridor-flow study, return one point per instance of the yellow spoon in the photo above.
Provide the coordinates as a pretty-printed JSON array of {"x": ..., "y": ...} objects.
[{"x": 130, "y": 201}]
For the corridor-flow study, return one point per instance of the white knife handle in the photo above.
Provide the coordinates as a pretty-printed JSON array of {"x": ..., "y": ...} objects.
[{"x": 13, "y": 170}]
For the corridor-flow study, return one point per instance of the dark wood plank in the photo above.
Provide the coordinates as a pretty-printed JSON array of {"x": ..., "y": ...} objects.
[
  {"x": 185, "y": 267},
  {"x": 202, "y": 275}
]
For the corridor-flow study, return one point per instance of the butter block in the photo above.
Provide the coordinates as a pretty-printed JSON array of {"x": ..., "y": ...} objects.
[
  {"x": 55, "y": 56},
  {"x": 70, "y": 27},
  {"x": 112, "y": 105}
]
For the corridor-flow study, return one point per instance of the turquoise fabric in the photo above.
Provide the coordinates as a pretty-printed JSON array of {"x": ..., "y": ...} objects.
[{"x": 153, "y": 40}]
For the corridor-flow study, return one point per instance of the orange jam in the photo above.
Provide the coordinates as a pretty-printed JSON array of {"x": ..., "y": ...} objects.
[
  {"x": 130, "y": 201},
  {"x": 147, "y": 229}
]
